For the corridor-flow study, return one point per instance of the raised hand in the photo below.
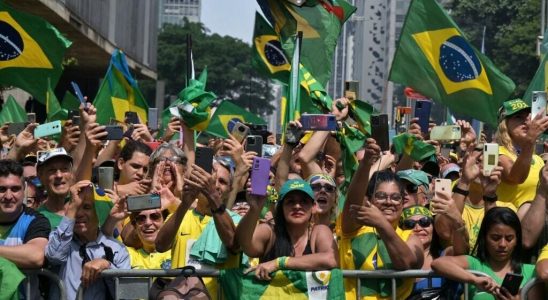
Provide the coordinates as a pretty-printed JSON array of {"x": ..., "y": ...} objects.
[
  {"x": 491, "y": 182},
  {"x": 93, "y": 133},
  {"x": 173, "y": 127},
  {"x": 468, "y": 135},
  {"x": 70, "y": 136},
  {"x": 141, "y": 133},
  {"x": 372, "y": 151},
  {"x": 367, "y": 214},
  {"x": 340, "y": 115}
]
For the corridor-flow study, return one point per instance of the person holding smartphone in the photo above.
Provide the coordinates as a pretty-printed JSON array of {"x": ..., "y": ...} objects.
[
  {"x": 517, "y": 134},
  {"x": 498, "y": 252}
]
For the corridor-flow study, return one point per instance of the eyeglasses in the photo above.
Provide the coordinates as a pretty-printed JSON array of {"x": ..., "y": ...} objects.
[
  {"x": 316, "y": 187},
  {"x": 410, "y": 224},
  {"x": 381, "y": 196},
  {"x": 411, "y": 188},
  {"x": 140, "y": 219}
]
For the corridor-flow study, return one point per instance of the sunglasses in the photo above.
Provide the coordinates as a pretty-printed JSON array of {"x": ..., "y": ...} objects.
[
  {"x": 410, "y": 224},
  {"x": 411, "y": 188},
  {"x": 316, "y": 187},
  {"x": 140, "y": 219}
]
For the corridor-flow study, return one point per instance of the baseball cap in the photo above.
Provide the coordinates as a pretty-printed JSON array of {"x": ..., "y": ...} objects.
[
  {"x": 449, "y": 168},
  {"x": 295, "y": 185},
  {"x": 44, "y": 157},
  {"x": 512, "y": 107},
  {"x": 416, "y": 177}
]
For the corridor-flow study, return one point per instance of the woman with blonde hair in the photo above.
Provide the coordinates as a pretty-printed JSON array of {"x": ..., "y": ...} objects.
[{"x": 517, "y": 134}]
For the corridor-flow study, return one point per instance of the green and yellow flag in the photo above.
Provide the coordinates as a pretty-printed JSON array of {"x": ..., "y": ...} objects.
[
  {"x": 53, "y": 107},
  {"x": 286, "y": 284},
  {"x": 70, "y": 102},
  {"x": 32, "y": 52},
  {"x": 435, "y": 59},
  {"x": 196, "y": 98},
  {"x": 10, "y": 278},
  {"x": 12, "y": 112},
  {"x": 268, "y": 56},
  {"x": 410, "y": 145},
  {"x": 119, "y": 93},
  {"x": 226, "y": 115},
  {"x": 320, "y": 22}
]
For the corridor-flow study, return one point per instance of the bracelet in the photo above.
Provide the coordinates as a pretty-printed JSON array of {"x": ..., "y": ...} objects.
[
  {"x": 280, "y": 262},
  {"x": 460, "y": 191},
  {"x": 219, "y": 210},
  {"x": 490, "y": 198}
]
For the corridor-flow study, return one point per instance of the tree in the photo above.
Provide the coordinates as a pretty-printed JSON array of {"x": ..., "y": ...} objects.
[
  {"x": 228, "y": 61},
  {"x": 512, "y": 28}
]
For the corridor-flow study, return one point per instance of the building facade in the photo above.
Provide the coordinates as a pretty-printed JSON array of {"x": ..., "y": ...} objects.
[{"x": 175, "y": 11}]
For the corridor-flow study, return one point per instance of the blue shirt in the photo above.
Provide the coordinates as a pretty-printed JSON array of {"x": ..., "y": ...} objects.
[{"x": 63, "y": 249}]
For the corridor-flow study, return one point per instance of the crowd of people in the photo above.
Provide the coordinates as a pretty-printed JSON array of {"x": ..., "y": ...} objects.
[{"x": 54, "y": 215}]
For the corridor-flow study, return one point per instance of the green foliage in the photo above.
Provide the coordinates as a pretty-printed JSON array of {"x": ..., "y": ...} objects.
[
  {"x": 510, "y": 39},
  {"x": 228, "y": 60}
]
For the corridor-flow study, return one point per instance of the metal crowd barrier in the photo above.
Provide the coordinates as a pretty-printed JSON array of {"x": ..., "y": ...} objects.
[
  {"x": 45, "y": 273},
  {"x": 528, "y": 286}
]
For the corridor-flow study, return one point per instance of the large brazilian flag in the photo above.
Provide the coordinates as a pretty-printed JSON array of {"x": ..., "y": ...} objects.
[
  {"x": 435, "y": 59},
  {"x": 286, "y": 284},
  {"x": 31, "y": 51},
  {"x": 228, "y": 114}
]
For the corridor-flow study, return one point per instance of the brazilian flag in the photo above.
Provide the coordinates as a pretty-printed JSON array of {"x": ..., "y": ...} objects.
[
  {"x": 321, "y": 23},
  {"x": 268, "y": 56},
  {"x": 119, "y": 93},
  {"x": 228, "y": 114},
  {"x": 286, "y": 284},
  {"x": 32, "y": 51},
  {"x": 412, "y": 146},
  {"x": 53, "y": 107},
  {"x": 435, "y": 59}
]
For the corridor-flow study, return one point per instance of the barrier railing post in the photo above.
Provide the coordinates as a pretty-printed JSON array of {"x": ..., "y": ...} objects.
[{"x": 528, "y": 286}]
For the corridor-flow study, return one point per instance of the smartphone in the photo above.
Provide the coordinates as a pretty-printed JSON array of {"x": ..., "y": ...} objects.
[
  {"x": 78, "y": 93},
  {"x": 131, "y": 117},
  {"x": 260, "y": 173},
  {"x": 74, "y": 115},
  {"x": 31, "y": 117},
  {"x": 16, "y": 128},
  {"x": 204, "y": 158},
  {"x": 490, "y": 157},
  {"x": 114, "y": 132},
  {"x": 48, "y": 129},
  {"x": 449, "y": 133},
  {"x": 254, "y": 143},
  {"x": 441, "y": 185},
  {"x": 106, "y": 177},
  {"x": 270, "y": 150},
  {"x": 153, "y": 118},
  {"x": 379, "y": 131},
  {"x": 318, "y": 122},
  {"x": 351, "y": 90},
  {"x": 512, "y": 282},
  {"x": 186, "y": 107},
  {"x": 239, "y": 131},
  {"x": 76, "y": 121},
  {"x": 293, "y": 135},
  {"x": 538, "y": 104},
  {"x": 478, "y": 129},
  {"x": 143, "y": 202},
  {"x": 422, "y": 111}
]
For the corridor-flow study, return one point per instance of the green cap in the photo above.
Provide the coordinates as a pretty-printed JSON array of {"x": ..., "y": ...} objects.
[
  {"x": 512, "y": 107},
  {"x": 295, "y": 185},
  {"x": 416, "y": 177}
]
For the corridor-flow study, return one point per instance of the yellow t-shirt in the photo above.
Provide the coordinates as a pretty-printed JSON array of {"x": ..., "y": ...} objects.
[
  {"x": 473, "y": 216},
  {"x": 140, "y": 259},
  {"x": 543, "y": 253},
  {"x": 363, "y": 250},
  {"x": 521, "y": 193}
]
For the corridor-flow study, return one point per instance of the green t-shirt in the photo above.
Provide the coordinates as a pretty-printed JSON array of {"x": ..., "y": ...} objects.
[
  {"x": 527, "y": 270},
  {"x": 53, "y": 218}
]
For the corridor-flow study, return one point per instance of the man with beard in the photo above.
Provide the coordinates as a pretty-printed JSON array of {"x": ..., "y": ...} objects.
[{"x": 82, "y": 251}]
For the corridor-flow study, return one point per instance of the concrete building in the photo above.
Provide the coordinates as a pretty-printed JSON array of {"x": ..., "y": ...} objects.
[
  {"x": 174, "y": 11},
  {"x": 96, "y": 28}
]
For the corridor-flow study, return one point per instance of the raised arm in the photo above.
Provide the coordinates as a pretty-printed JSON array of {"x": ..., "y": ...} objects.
[
  {"x": 253, "y": 239},
  {"x": 533, "y": 222},
  {"x": 358, "y": 185}
]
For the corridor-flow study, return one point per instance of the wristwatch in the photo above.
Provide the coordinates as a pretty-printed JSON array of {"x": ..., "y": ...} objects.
[
  {"x": 221, "y": 209},
  {"x": 490, "y": 198}
]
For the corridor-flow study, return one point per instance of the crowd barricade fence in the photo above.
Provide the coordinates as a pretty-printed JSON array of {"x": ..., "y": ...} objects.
[
  {"x": 135, "y": 284},
  {"x": 52, "y": 277}
]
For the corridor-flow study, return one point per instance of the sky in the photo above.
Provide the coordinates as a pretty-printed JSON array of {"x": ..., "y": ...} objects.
[{"x": 230, "y": 17}]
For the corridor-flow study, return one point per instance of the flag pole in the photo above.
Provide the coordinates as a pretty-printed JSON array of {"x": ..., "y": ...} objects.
[{"x": 294, "y": 78}]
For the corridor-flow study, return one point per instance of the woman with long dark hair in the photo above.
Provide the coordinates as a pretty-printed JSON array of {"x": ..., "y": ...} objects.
[
  {"x": 294, "y": 242},
  {"x": 498, "y": 252}
]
